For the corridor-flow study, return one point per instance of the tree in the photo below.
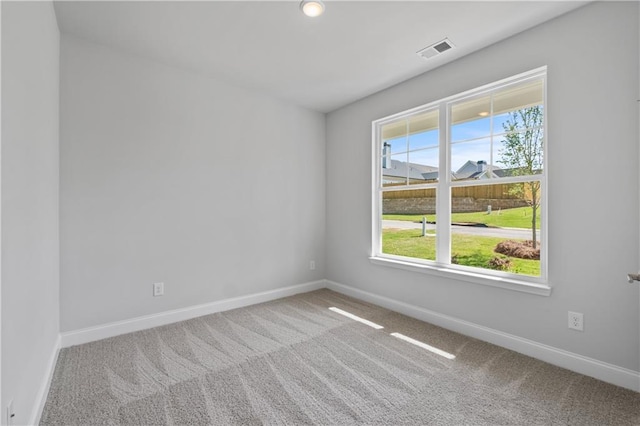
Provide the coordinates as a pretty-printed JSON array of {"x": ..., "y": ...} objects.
[{"x": 522, "y": 154}]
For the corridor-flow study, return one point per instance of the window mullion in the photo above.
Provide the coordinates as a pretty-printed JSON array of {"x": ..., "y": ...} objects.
[
  {"x": 443, "y": 195},
  {"x": 406, "y": 148},
  {"x": 376, "y": 217},
  {"x": 491, "y": 121}
]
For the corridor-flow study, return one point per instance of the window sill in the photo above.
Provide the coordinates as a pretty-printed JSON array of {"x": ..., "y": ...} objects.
[{"x": 477, "y": 278}]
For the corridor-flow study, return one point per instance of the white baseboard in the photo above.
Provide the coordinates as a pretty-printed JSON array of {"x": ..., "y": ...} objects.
[
  {"x": 43, "y": 392},
  {"x": 90, "y": 334},
  {"x": 571, "y": 361}
]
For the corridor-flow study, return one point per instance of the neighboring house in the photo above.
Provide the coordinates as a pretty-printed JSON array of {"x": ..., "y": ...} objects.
[
  {"x": 394, "y": 171},
  {"x": 476, "y": 170}
]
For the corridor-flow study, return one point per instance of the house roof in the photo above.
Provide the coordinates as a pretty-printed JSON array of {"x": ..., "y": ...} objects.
[
  {"x": 468, "y": 171},
  {"x": 403, "y": 169},
  {"x": 471, "y": 170}
]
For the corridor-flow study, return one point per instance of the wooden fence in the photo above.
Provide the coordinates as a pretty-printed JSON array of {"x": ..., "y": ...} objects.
[{"x": 495, "y": 192}]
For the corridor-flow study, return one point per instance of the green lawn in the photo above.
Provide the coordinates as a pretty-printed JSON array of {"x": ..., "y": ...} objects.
[
  {"x": 511, "y": 218},
  {"x": 470, "y": 250}
]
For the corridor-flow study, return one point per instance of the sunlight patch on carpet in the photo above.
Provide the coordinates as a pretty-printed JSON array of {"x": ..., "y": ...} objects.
[
  {"x": 356, "y": 318},
  {"x": 424, "y": 346}
]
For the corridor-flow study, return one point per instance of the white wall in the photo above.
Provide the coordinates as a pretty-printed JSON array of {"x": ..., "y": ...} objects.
[
  {"x": 30, "y": 243},
  {"x": 169, "y": 176},
  {"x": 592, "y": 58}
]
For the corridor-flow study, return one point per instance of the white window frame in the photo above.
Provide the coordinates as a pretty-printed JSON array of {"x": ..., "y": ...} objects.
[{"x": 442, "y": 266}]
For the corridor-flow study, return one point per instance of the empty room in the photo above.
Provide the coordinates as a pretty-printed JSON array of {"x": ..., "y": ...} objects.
[{"x": 320, "y": 212}]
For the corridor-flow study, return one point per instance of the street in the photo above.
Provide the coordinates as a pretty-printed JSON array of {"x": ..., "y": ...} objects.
[{"x": 506, "y": 233}]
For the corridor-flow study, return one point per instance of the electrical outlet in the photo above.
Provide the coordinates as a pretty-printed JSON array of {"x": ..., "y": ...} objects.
[
  {"x": 10, "y": 413},
  {"x": 576, "y": 321},
  {"x": 312, "y": 265},
  {"x": 158, "y": 289}
]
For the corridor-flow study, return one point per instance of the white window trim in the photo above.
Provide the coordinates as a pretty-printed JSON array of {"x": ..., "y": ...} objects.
[{"x": 442, "y": 266}]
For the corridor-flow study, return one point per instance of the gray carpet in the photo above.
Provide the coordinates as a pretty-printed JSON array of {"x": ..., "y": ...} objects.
[{"x": 294, "y": 361}]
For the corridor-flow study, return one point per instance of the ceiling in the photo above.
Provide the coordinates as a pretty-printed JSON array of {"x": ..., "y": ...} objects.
[{"x": 355, "y": 49}]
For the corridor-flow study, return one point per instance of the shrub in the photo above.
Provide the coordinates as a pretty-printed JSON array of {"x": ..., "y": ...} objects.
[
  {"x": 500, "y": 263},
  {"x": 519, "y": 249}
]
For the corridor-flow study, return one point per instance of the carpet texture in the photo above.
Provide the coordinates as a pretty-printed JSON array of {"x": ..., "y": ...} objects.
[{"x": 294, "y": 361}]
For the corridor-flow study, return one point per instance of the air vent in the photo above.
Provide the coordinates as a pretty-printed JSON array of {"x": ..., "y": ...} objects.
[{"x": 435, "y": 49}]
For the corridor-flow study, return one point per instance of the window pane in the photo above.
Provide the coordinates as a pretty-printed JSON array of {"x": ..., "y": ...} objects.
[
  {"x": 517, "y": 97},
  {"x": 418, "y": 130},
  {"x": 518, "y": 107},
  {"x": 492, "y": 227},
  {"x": 519, "y": 154},
  {"x": 394, "y": 169},
  {"x": 423, "y": 166},
  {"x": 521, "y": 119},
  {"x": 470, "y": 160},
  {"x": 395, "y": 134},
  {"x": 471, "y": 129},
  {"x": 402, "y": 227},
  {"x": 396, "y": 145},
  {"x": 471, "y": 119},
  {"x": 424, "y": 140},
  {"x": 423, "y": 130}
]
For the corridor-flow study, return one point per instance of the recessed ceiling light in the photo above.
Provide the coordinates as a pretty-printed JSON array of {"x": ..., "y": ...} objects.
[
  {"x": 483, "y": 114},
  {"x": 312, "y": 8}
]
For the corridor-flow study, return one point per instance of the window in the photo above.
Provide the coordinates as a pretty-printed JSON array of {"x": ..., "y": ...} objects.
[{"x": 460, "y": 185}]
